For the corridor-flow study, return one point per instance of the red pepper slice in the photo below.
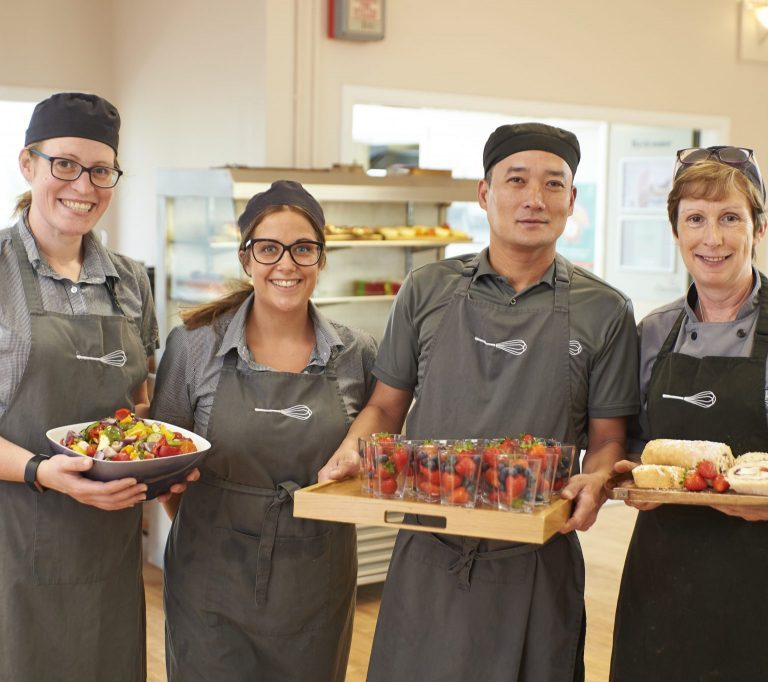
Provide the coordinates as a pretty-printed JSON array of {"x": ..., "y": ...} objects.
[{"x": 122, "y": 413}]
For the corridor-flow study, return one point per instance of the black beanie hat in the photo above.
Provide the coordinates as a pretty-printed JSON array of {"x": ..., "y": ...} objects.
[
  {"x": 282, "y": 193},
  {"x": 74, "y": 114},
  {"x": 521, "y": 137}
]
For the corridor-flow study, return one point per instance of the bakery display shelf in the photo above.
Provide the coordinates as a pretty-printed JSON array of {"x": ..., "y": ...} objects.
[
  {"x": 344, "y": 501},
  {"x": 330, "y": 300},
  {"x": 632, "y": 493},
  {"x": 416, "y": 244}
]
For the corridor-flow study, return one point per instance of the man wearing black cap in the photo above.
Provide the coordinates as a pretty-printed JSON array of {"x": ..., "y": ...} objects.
[{"x": 512, "y": 340}]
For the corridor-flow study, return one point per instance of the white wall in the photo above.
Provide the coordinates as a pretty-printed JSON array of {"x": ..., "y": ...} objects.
[{"x": 258, "y": 82}]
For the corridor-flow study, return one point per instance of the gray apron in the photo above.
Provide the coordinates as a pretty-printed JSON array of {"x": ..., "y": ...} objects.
[
  {"x": 252, "y": 593},
  {"x": 458, "y": 608},
  {"x": 71, "y": 588},
  {"x": 693, "y": 602}
]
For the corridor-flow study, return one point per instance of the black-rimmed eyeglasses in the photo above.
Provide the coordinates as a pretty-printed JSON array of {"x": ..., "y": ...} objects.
[
  {"x": 269, "y": 251},
  {"x": 738, "y": 157},
  {"x": 69, "y": 170}
]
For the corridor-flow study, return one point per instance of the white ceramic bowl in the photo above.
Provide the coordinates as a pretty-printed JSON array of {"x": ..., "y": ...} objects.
[{"x": 159, "y": 473}]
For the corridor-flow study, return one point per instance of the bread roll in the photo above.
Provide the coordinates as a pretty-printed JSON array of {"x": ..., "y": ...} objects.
[
  {"x": 750, "y": 478},
  {"x": 658, "y": 476},
  {"x": 687, "y": 453}
]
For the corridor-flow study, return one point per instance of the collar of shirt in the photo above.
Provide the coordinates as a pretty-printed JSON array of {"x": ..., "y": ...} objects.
[
  {"x": 747, "y": 308},
  {"x": 96, "y": 267},
  {"x": 485, "y": 269},
  {"x": 326, "y": 338}
]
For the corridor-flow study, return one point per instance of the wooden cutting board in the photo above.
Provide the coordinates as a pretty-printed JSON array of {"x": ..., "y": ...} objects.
[{"x": 628, "y": 491}]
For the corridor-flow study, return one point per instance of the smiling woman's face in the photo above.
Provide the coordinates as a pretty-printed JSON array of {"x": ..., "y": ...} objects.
[
  {"x": 283, "y": 286},
  {"x": 716, "y": 239},
  {"x": 59, "y": 207}
]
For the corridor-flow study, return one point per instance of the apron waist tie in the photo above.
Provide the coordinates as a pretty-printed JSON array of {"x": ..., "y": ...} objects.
[
  {"x": 462, "y": 564},
  {"x": 284, "y": 494}
]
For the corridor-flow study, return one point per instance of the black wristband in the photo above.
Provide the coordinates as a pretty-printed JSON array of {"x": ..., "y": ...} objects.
[{"x": 30, "y": 472}]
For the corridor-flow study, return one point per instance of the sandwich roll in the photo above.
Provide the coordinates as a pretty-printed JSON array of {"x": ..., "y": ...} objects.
[
  {"x": 750, "y": 478},
  {"x": 748, "y": 457},
  {"x": 659, "y": 476},
  {"x": 687, "y": 453}
]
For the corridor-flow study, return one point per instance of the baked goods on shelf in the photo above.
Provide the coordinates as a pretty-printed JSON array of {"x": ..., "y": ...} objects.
[{"x": 395, "y": 232}]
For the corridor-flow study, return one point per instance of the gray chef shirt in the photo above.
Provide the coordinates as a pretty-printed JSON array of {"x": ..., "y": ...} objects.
[
  {"x": 87, "y": 295},
  {"x": 191, "y": 366},
  {"x": 602, "y": 333},
  {"x": 695, "y": 338}
]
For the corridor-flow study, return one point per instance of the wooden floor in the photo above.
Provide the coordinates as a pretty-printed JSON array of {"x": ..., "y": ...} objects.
[{"x": 605, "y": 546}]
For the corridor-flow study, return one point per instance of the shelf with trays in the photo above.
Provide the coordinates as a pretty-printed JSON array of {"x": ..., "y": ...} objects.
[{"x": 198, "y": 209}]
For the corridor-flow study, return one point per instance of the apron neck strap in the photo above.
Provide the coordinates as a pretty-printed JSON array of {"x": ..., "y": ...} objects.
[
  {"x": 669, "y": 342},
  {"x": 28, "y": 278},
  {"x": 468, "y": 274},
  {"x": 760, "y": 342},
  {"x": 562, "y": 284}
]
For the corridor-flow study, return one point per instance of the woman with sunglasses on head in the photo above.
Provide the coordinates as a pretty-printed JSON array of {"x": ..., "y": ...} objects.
[
  {"x": 250, "y": 591},
  {"x": 70, "y": 574},
  {"x": 693, "y": 601}
]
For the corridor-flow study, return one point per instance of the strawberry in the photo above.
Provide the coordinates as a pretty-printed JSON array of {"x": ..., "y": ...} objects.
[
  {"x": 720, "y": 483},
  {"x": 465, "y": 467},
  {"x": 516, "y": 485},
  {"x": 694, "y": 481},
  {"x": 707, "y": 469},
  {"x": 400, "y": 458}
]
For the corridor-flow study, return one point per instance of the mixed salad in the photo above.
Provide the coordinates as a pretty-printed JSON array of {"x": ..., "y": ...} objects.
[{"x": 123, "y": 437}]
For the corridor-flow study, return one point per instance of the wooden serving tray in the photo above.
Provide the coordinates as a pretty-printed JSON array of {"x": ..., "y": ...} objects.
[
  {"x": 344, "y": 501},
  {"x": 628, "y": 491}
]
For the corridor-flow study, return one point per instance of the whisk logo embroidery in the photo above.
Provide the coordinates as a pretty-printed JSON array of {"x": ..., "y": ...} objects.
[
  {"x": 704, "y": 399},
  {"x": 301, "y": 412},
  {"x": 513, "y": 347},
  {"x": 574, "y": 347},
  {"x": 116, "y": 358}
]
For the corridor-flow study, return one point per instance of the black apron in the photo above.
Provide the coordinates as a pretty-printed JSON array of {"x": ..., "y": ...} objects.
[
  {"x": 71, "y": 586},
  {"x": 457, "y": 608},
  {"x": 252, "y": 593},
  {"x": 693, "y": 600}
]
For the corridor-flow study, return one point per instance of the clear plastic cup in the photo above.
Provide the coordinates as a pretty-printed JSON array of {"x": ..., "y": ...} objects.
[
  {"x": 426, "y": 469},
  {"x": 564, "y": 469},
  {"x": 387, "y": 462},
  {"x": 488, "y": 482},
  {"x": 365, "y": 449},
  {"x": 459, "y": 472},
  {"x": 517, "y": 482}
]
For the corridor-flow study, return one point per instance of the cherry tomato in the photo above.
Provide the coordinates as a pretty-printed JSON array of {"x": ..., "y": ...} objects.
[
  {"x": 122, "y": 413},
  {"x": 168, "y": 451},
  {"x": 90, "y": 450},
  {"x": 121, "y": 456}
]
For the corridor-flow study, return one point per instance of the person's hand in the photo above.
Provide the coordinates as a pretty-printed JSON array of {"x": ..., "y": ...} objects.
[
  {"x": 746, "y": 513},
  {"x": 623, "y": 467},
  {"x": 344, "y": 463},
  {"x": 64, "y": 474},
  {"x": 588, "y": 493},
  {"x": 178, "y": 488}
]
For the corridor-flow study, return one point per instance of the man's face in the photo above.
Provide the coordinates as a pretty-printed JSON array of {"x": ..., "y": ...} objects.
[{"x": 528, "y": 200}]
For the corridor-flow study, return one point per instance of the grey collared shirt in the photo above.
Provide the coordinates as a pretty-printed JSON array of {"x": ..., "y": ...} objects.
[
  {"x": 87, "y": 295},
  {"x": 191, "y": 366}
]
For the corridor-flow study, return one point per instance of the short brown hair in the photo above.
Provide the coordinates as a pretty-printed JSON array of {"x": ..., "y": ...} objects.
[{"x": 713, "y": 181}]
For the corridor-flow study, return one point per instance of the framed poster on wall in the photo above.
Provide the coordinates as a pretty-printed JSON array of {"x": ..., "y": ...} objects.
[
  {"x": 645, "y": 183},
  {"x": 356, "y": 19}
]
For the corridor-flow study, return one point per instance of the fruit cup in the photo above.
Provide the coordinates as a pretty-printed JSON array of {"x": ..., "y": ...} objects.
[
  {"x": 459, "y": 472},
  {"x": 564, "y": 467},
  {"x": 547, "y": 451},
  {"x": 517, "y": 481},
  {"x": 386, "y": 465},
  {"x": 426, "y": 469}
]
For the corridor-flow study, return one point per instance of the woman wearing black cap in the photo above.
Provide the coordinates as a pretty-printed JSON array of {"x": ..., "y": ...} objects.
[
  {"x": 70, "y": 573},
  {"x": 693, "y": 601},
  {"x": 250, "y": 591}
]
